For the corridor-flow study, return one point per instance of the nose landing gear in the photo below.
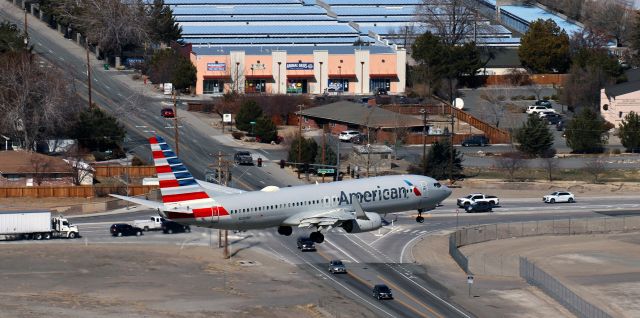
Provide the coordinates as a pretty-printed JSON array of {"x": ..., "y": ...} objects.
[{"x": 420, "y": 218}]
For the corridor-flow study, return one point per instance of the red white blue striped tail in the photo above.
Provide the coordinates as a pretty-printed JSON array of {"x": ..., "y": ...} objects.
[{"x": 177, "y": 185}]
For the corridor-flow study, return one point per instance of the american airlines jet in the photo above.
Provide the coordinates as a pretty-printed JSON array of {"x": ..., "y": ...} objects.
[{"x": 354, "y": 205}]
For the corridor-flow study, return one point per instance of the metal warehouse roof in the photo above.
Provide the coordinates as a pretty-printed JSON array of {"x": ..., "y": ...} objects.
[
  {"x": 206, "y": 31},
  {"x": 253, "y": 50},
  {"x": 270, "y": 18},
  {"x": 531, "y": 14},
  {"x": 284, "y": 41},
  {"x": 248, "y": 10},
  {"x": 373, "y": 2},
  {"x": 362, "y": 115},
  {"x": 228, "y": 2}
]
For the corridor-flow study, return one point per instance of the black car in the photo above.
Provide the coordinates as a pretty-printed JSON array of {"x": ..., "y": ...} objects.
[
  {"x": 480, "y": 206},
  {"x": 476, "y": 141},
  {"x": 306, "y": 244},
  {"x": 170, "y": 227},
  {"x": 122, "y": 229},
  {"x": 381, "y": 291},
  {"x": 243, "y": 158},
  {"x": 552, "y": 119}
]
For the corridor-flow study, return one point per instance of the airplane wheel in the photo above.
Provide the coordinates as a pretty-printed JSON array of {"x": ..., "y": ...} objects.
[
  {"x": 317, "y": 237},
  {"x": 285, "y": 230},
  {"x": 420, "y": 219}
]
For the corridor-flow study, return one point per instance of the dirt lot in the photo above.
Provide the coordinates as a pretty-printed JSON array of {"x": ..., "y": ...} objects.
[{"x": 74, "y": 280}]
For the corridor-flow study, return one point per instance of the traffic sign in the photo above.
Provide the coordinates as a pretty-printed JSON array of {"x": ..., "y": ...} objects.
[{"x": 326, "y": 171}]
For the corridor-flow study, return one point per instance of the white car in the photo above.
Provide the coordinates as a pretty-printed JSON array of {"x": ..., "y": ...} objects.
[
  {"x": 347, "y": 135},
  {"x": 534, "y": 109},
  {"x": 559, "y": 196},
  {"x": 547, "y": 113}
]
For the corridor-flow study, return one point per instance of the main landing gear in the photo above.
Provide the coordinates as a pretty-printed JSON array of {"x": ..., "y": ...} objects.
[
  {"x": 316, "y": 237},
  {"x": 420, "y": 218}
]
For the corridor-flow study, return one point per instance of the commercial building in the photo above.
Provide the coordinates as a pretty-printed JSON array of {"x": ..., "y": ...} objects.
[
  {"x": 616, "y": 101},
  {"x": 348, "y": 70}
]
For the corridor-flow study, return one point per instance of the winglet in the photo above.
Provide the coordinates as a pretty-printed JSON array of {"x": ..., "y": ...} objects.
[{"x": 359, "y": 211}]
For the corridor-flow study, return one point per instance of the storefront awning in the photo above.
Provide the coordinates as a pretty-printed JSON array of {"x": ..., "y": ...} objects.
[
  {"x": 224, "y": 76},
  {"x": 342, "y": 76},
  {"x": 300, "y": 76},
  {"x": 383, "y": 75},
  {"x": 259, "y": 76}
]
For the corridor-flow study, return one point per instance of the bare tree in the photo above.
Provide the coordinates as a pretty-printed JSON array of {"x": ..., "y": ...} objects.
[
  {"x": 40, "y": 167},
  {"x": 36, "y": 102},
  {"x": 550, "y": 162},
  {"x": 76, "y": 157},
  {"x": 453, "y": 20},
  {"x": 614, "y": 17},
  {"x": 594, "y": 167},
  {"x": 496, "y": 100},
  {"x": 511, "y": 162},
  {"x": 537, "y": 90}
]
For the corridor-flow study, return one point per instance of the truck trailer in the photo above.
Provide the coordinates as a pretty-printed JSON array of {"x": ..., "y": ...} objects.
[{"x": 38, "y": 225}]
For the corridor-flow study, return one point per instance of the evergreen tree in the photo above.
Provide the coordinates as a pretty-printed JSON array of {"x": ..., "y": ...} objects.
[
  {"x": 430, "y": 53},
  {"x": 11, "y": 38},
  {"x": 97, "y": 131},
  {"x": 545, "y": 48},
  {"x": 330, "y": 157},
  {"x": 167, "y": 66},
  {"x": 308, "y": 150},
  {"x": 163, "y": 27},
  {"x": 587, "y": 132},
  {"x": 266, "y": 130},
  {"x": 184, "y": 74},
  {"x": 534, "y": 137},
  {"x": 249, "y": 111},
  {"x": 629, "y": 132},
  {"x": 437, "y": 161}
]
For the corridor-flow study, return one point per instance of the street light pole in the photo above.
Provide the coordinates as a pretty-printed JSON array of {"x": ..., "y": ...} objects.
[
  {"x": 362, "y": 78},
  {"x": 320, "y": 92},
  {"x": 279, "y": 80},
  {"x": 424, "y": 140},
  {"x": 26, "y": 25},
  {"x": 237, "y": 75},
  {"x": 340, "y": 79}
]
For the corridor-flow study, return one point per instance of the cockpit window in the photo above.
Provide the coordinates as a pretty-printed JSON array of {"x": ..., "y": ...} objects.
[{"x": 437, "y": 185}]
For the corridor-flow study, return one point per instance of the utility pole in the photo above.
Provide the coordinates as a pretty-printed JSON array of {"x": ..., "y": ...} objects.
[
  {"x": 424, "y": 140},
  {"x": 451, "y": 149},
  {"x": 86, "y": 44},
  {"x": 299, "y": 139},
  {"x": 176, "y": 135},
  {"x": 26, "y": 25}
]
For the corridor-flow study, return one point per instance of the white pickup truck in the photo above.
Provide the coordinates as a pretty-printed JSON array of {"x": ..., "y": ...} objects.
[
  {"x": 477, "y": 197},
  {"x": 152, "y": 224}
]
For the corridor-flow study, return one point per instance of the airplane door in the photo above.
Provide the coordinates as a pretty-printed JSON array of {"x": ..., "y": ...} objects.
[
  {"x": 423, "y": 189},
  {"x": 215, "y": 215}
]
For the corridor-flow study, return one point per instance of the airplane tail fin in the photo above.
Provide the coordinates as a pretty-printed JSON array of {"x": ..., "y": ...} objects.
[{"x": 179, "y": 189}]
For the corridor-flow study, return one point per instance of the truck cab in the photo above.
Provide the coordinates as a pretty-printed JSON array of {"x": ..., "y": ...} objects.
[
  {"x": 64, "y": 228},
  {"x": 153, "y": 223}
]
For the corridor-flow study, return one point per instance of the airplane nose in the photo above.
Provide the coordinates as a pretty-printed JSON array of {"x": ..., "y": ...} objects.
[{"x": 446, "y": 191}]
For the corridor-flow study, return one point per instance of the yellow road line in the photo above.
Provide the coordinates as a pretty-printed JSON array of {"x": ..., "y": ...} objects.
[{"x": 409, "y": 296}]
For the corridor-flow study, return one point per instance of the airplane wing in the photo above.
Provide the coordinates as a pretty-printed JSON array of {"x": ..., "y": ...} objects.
[
  {"x": 147, "y": 203},
  {"x": 218, "y": 190},
  {"x": 329, "y": 218}
]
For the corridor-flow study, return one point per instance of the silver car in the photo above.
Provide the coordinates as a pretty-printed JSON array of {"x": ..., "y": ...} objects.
[{"x": 336, "y": 267}]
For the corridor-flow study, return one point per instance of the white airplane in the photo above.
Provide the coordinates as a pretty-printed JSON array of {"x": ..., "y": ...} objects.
[{"x": 354, "y": 205}]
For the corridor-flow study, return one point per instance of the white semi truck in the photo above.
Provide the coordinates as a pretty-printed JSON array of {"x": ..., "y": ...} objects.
[{"x": 38, "y": 225}]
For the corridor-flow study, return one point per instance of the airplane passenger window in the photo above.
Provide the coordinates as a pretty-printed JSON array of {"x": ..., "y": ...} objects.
[{"x": 437, "y": 185}]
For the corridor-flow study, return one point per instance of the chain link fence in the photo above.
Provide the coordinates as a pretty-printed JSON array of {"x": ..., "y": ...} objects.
[{"x": 554, "y": 288}]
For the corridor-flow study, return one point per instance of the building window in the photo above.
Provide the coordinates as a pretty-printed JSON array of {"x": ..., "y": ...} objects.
[
  {"x": 256, "y": 86},
  {"x": 620, "y": 114},
  {"x": 213, "y": 87},
  {"x": 338, "y": 85},
  {"x": 380, "y": 84},
  {"x": 297, "y": 87}
]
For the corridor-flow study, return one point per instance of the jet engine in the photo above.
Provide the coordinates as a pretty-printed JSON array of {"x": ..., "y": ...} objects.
[{"x": 373, "y": 223}]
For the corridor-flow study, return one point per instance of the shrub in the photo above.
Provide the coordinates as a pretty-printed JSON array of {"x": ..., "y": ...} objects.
[{"x": 237, "y": 135}]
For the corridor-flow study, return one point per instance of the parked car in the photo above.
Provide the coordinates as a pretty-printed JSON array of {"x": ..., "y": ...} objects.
[
  {"x": 553, "y": 118},
  {"x": 336, "y": 266},
  {"x": 546, "y": 113},
  {"x": 348, "y": 135},
  {"x": 476, "y": 141},
  {"x": 243, "y": 158},
  {"x": 536, "y": 109},
  {"x": 559, "y": 196},
  {"x": 123, "y": 229},
  {"x": 480, "y": 206},
  {"x": 382, "y": 291},
  {"x": 306, "y": 244},
  {"x": 543, "y": 102},
  {"x": 170, "y": 227},
  {"x": 167, "y": 113}
]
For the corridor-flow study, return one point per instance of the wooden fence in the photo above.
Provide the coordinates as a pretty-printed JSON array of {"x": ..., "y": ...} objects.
[
  {"x": 131, "y": 171},
  {"x": 73, "y": 191}
]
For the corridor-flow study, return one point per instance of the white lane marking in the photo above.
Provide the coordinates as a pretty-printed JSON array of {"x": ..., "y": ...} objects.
[
  {"x": 341, "y": 250},
  {"x": 120, "y": 95},
  {"x": 50, "y": 51},
  {"x": 107, "y": 86},
  {"x": 60, "y": 57},
  {"x": 262, "y": 182},
  {"x": 383, "y": 235},
  {"x": 324, "y": 274}
]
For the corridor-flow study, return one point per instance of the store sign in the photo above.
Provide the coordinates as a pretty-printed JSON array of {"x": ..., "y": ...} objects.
[
  {"x": 216, "y": 67},
  {"x": 226, "y": 118},
  {"x": 300, "y": 66},
  {"x": 257, "y": 67}
]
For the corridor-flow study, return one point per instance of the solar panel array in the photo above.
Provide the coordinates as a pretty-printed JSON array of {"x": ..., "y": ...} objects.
[{"x": 307, "y": 22}]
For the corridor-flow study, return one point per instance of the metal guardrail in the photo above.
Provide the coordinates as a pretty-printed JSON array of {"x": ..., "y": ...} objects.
[{"x": 558, "y": 291}]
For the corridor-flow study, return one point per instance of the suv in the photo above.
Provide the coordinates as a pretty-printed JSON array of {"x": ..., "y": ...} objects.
[
  {"x": 170, "y": 227},
  {"x": 243, "y": 158},
  {"x": 559, "y": 196},
  {"x": 543, "y": 102},
  {"x": 381, "y": 291},
  {"x": 167, "y": 113},
  {"x": 536, "y": 109},
  {"x": 476, "y": 141},
  {"x": 552, "y": 118},
  {"x": 306, "y": 244},
  {"x": 336, "y": 266},
  {"x": 120, "y": 229},
  {"x": 348, "y": 135}
]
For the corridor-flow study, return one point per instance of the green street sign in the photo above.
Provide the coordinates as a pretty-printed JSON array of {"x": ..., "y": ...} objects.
[
  {"x": 326, "y": 171},
  {"x": 252, "y": 122}
]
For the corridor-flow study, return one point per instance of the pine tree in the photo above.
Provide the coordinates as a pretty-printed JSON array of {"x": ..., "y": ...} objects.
[
  {"x": 249, "y": 111},
  {"x": 438, "y": 159},
  {"x": 308, "y": 150},
  {"x": 629, "y": 132},
  {"x": 163, "y": 27},
  {"x": 587, "y": 132},
  {"x": 266, "y": 130},
  {"x": 534, "y": 137},
  {"x": 545, "y": 48}
]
